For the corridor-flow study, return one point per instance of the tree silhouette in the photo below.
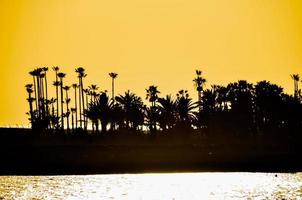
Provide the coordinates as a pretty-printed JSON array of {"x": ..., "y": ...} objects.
[
  {"x": 75, "y": 86},
  {"x": 152, "y": 96},
  {"x": 296, "y": 79},
  {"x": 81, "y": 74},
  {"x": 132, "y": 107},
  {"x": 184, "y": 109},
  {"x": 30, "y": 100},
  {"x": 167, "y": 109},
  {"x": 67, "y": 100},
  {"x": 61, "y": 76},
  {"x": 199, "y": 83},
  {"x": 113, "y": 76},
  {"x": 57, "y": 85}
]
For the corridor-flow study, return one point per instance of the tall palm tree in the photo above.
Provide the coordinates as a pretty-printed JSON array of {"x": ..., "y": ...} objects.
[
  {"x": 113, "y": 76},
  {"x": 39, "y": 95},
  {"x": 56, "y": 84},
  {"x": 43, "y": 100},
  {"x": 296, "y": 79},
  {"x": 152, "y": 95},
  {"x": 61, "y": 76},
  {"x": 45, "y": 69},
  {"x": 152, "y": 92},
  {"x": 75, "y": 86},
  {"x": 81, "y": 75},
  {"x": 66, "y": 88},
  {"x": 199, "y": 83},
  {"x": 33, "y": 74},
  {"x": 30, "y": 100}
]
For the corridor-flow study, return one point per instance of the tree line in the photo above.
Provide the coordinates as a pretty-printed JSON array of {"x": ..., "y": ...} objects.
[{"x": 237, "y": 108}]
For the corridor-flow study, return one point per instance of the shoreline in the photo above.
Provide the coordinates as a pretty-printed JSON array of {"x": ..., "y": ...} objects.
[{"x": 83, "y": 155}]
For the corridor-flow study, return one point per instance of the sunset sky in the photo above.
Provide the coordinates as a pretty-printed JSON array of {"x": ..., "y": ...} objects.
[{"x": 147, "y": 42}]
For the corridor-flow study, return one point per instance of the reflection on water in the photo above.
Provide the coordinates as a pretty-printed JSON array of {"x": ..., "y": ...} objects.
[{"x": 154, "y": 186}]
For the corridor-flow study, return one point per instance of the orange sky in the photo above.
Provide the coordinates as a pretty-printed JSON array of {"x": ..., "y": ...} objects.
[{"x": 147, "y": 42}]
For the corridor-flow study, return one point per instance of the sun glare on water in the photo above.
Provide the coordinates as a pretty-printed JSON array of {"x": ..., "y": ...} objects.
[{"x": 154, "y": 186}]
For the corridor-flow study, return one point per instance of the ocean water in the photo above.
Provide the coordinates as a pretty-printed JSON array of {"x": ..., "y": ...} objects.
[{"x": 155, "y": 186}]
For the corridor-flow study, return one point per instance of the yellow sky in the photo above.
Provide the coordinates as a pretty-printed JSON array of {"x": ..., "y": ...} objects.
[{"x": 147, "y": 42}]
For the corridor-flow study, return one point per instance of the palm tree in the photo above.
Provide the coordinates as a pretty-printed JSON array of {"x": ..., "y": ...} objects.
[
  {"x": 66, "y": 88},
  {"x": 152, "y": 96},
  {"x": 104, "y": 107},
  {"x": 113, "y": 76},
  {"x": 38, "y": 74},
  {"x": 30, "y": 100},
  {"x": 45, "y": 69},
  {"x": 33, "y": 74},
  {"x": 93, "y": 89},
  {"x": 43, "y": 101},
  {"x": 167, "y": 108},
  {"x": 61, "y": 76},
  {"x": 75, "y": 86},
  {"x": 52, "y": 116},
  {"x": 132, "y": 107},
  {"x": 81, "y": 75},
  {"x": 296, "y": 79},
  {"x": 199, "y": 82},
  {"x": 57, "y": 84},
  {"x": 184, "y": 108}
]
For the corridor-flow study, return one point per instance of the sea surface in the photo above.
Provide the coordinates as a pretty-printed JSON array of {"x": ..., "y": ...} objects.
[{"x": 155, "y": 186}]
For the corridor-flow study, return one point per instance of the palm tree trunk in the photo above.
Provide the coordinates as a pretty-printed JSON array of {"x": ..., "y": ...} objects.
[
  {"x": 83, "y": 103},
  {"x": 38, "y": 99},
  {"x": 57, "y": 97},
  {"x": 67, "y": 117},
  {"x": 75, "y": 106},
  {"x": 113, "y": 90},
  {"x": 30, "y": 110},
  {"x": 46, "y": 95},
  {"x": 42, "y": 98},
  {"x": 62, "y": 101},
  {"x": 80, "y": 102},
  {"x": 72, "y": 121},
  {"x": 35, "y": 90}
]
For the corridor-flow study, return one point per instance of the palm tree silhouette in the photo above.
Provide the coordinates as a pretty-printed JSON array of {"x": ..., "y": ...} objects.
[
  {"x": 30, "y": 100},
  {"x": 61, "y": 76},
  {"x": 104, "y": 107},
  {"x": 167, "y": 116},
  {"x": 33, "y": 74},
  {"x": 57, "y": 84},
  {"x": 93, "y": 89},
  {"x": 81, "y": 75},
  {"x": 152, "y": 96},
  {"x": 75, "y": 86},
  {"x": 113, "y": 76},
  {"x": 66, "y": 88},
  {"x": 184, "y": 108},
  {"x": 199, "y": 82},
  {"x": 131, "y": 105},
  {"x": 45, "y": 69},
  {"x": 296, "y": 79}
]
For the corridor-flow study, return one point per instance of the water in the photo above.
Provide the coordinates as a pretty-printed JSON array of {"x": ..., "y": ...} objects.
[{"x": 154, "y": 186}]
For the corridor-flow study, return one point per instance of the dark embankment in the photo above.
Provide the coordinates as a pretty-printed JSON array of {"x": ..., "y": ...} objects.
[{"x": 24, "y": 152}]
